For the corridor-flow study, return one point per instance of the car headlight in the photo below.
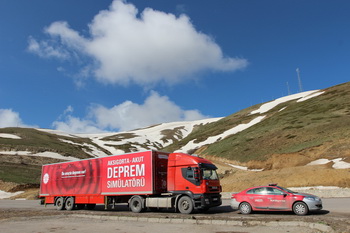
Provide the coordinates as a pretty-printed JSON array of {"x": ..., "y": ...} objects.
[{"x": 312, "y": 198}]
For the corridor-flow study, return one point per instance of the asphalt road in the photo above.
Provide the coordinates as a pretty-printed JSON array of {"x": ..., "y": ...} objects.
[
  {"x": 330, "y": 205},
  {"x": 30, "y": 216}
]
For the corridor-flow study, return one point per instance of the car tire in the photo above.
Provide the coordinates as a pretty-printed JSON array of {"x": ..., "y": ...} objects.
[
  {"x": 300, "y": 208},
  {"x": 245, "y": 208}
]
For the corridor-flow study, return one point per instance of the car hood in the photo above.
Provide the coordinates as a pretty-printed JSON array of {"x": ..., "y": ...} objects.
[{"x": 305, "y": 195}]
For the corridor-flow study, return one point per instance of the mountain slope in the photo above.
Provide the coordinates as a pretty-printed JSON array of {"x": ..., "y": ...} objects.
[
  {"x": 320, "y": 123},
  {"x": 307, "y": 133}
]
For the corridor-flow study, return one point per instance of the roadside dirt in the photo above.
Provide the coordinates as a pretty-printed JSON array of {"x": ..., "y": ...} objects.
[
  {"x": 340, "y": 222},
  {"x": 285, "y": 170},
  {"x": 288, "y": 170}
]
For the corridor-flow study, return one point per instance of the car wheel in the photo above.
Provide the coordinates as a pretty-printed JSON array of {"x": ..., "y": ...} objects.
[
  {"x": 245, "y": 208},
  {"x": 300, "y": 208}
]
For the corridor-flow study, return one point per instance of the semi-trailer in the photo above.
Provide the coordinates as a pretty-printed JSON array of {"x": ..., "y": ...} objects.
[{"x": 147, "y": 179}]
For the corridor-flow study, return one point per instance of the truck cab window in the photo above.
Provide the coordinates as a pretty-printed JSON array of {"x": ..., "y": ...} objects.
[
  {"x": 189, "y": 173},
  {"x": 209, "y": 174}
]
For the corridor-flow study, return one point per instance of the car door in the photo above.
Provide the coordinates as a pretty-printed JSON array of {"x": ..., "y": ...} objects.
[
  {"x": 277, "y": 198},
  {"x": 257, "y": 198}
]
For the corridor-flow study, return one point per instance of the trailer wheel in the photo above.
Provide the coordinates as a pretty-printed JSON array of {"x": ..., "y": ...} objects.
[
  {"x": 70, "y": 203},
  {"x": 185, "y": 205},
  {"x": 59, "y": 203},
  {"x": 136, "y": 204}
]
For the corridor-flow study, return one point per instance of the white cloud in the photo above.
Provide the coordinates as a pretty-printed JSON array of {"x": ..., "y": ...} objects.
[
  {"x": 145, "y": 49},
  {"x": 76, "y": 125},
  {"x": 9, "y": 118},
  {"x": 45, "y": 50},
  {"x": 128, "y": 115}
]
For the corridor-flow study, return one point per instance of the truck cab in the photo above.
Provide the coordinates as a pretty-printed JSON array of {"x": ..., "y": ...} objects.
[{"x": 196, "y": 178}]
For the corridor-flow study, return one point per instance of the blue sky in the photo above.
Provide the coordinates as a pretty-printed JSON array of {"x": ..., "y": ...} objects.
[{"x": 90, "y": 66}]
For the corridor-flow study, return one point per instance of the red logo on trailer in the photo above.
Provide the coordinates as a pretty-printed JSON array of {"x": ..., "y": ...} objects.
[
  {"x": 127, "y": 174},
  {"x": 79, "y": 177}
]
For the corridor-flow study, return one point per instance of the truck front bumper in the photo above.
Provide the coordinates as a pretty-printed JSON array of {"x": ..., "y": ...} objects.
[{"x": 207, "y": 200}]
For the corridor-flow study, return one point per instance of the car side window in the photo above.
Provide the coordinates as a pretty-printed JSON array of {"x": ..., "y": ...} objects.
[
  {"x": 274, "y": 191},
  {"x": 259, "y": 191}
]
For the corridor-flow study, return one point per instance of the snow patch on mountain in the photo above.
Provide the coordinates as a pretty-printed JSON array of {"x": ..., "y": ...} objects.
[
  {"x": 153, "y": 137},
  {"x": 337, "y": 163},
  {"x": 193, "y": 145},
  {"x": 10, "y": 136},
  {"x": 301, "y": 96},
  {"x": 46, "y": 154}
]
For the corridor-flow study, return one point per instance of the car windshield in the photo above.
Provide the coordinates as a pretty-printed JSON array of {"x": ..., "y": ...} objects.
[
  {"x": 286, "y": 190},
  {"x": 209, "y": 174}
]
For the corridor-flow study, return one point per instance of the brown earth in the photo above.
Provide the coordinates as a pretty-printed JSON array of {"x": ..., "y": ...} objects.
[
  {"x": 31, "y": 192},
  {"x": 288, "y": 170}
]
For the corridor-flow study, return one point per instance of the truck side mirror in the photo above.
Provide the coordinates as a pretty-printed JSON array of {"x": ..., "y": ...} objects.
[{"x": 196, "y": 173}]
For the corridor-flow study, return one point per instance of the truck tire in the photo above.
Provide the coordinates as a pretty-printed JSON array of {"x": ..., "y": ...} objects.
[
  {"x": 59, "y": 203},
  {"x": 185, "y": 205},
  {"x": 136, "y": 204},
  {"x": 300, "y": 208},
  {"x": 70, "y": 203}
]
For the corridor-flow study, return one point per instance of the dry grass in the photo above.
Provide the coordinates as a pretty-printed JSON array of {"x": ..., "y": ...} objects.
[{"x": 303, "y": 176}]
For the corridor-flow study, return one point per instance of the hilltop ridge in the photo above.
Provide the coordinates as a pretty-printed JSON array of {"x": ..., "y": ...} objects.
[{"x": 297, "y": 140}]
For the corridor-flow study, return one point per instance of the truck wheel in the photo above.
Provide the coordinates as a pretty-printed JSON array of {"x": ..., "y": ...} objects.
[
  {"x": 245, "y": 208},
  {"x": 300, "y": 208},
  {"x": 70, "y": 203},
  {"x": 59, "y": 203},
  {"x": 136, "y": 204},
  {"x": 185, "y": 205}
]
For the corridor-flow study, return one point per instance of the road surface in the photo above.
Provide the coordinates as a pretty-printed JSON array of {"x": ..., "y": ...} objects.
[{"x": 29, "y": 216}]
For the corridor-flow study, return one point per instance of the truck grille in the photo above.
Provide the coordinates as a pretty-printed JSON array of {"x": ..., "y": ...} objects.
[{"x": 213, "y": 188}]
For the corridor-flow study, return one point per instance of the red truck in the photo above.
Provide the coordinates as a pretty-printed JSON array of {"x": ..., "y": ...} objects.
[{"x": 149, "y": 179}]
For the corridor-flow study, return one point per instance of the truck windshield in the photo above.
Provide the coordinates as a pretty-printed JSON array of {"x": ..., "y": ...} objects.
[{"x": 209, "y": 174}]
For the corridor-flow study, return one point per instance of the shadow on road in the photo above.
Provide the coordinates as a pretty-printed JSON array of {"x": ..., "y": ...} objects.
[{"x": 121, "y": 208}]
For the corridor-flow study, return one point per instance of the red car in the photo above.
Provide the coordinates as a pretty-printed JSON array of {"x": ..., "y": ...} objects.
[{"x": 274, "y": 198}]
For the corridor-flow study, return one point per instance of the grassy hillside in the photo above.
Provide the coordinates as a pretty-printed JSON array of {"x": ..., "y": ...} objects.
[
  {"x": 37, "y": 141},
  {"x": 290, "y": 136},
  {"x": 300, "y": 126},
  {"x": 26, "y": 169}
]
